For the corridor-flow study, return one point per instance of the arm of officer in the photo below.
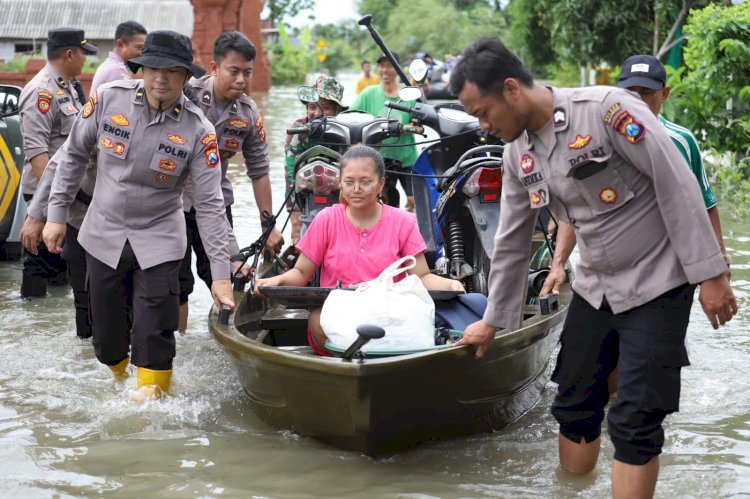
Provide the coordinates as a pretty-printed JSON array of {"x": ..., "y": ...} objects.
[
  {"x": 257, "y": 164},
  {"x": 71, "y": 166},
  {"x": 510, "y": 262},
  {"x": 31, "y": 232},
  {"x": 210, "y": 213},
  {"x": 38, "y": 110},
  {"x": 565, "y": 241},
  {"x": 679, "y": 200}
]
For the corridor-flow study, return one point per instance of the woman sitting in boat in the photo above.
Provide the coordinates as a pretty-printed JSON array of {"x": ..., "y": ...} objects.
[{"x": 354, "y": 241}]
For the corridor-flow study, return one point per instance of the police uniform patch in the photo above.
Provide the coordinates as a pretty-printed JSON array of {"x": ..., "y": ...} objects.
[
  {"x": 168, "y": 164},
  {"x": 231, "y": 144},
  {"x": 119, "y": 119},
  {"x": 539, "y": 197},
  {"x": 580, "y": 142},
  {"x": 226, "y": 154},
  {"x": 238, "y": 123},
  {"x": 88, "y": 108},
  {"x": 559, "y": 116},
  {"x": 261, "y": 129},
  {"x": 119, "y": 148},
  {"x": 176, "y": 139},
  {"x": 629, "y": 128},
  {"x": 608, "y": 195},
  {"x": 208, "y": 138},
  {"x": 106, "y": 143},
  {"x": 43, "y": 101},
  {"x": 527, "y": 163},
  {"x": 60, "y": 92},
  {"x": 212, "y": 154},
  {"x": 161, "y": 178},
  {"x": 611, "y": 112}
]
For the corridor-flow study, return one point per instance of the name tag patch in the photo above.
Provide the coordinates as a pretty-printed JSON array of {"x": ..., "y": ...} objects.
[{"x": 593, "y": 153}]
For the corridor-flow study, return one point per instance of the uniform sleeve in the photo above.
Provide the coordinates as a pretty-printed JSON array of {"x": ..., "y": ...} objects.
[
  {"x": 73, "y": 159},
  {"x": 314, "y": 242},
  {"x": 638, "y": 137},
  {"x": 38, "y": 206},
  {"x": 38, "y": 110},
  {"x": 696, "y": 164},
  {"x": 210, "y": 213},
  {"x": 255, "y": 149},
  {"x": 510, "y": 258}
]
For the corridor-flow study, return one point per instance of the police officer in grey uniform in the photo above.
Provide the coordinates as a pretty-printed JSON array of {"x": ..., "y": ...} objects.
[
  {"x": 49, "y": 104},
  {"x": 73, "y": 253},
  {"x": 601, "y": 161},
  {"x": 239, "y": 125},
  {"x": 149, "y": 139}
]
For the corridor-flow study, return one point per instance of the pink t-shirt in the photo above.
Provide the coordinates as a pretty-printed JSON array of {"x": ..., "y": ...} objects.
[{"x": 352, "y": 254}]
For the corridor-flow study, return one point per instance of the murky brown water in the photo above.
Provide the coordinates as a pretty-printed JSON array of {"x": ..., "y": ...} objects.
[{"x": 66, "y": 429}]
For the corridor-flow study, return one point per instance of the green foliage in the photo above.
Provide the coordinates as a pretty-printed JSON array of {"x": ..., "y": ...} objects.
[
  {"x": 712, "y": 97},
  {"x": 438, "y": 26},
  {"x": 278, "y": 10},
  {"x": 730, "y": 178},
  {"x": 15, "y": 65},
  {"x": 529, "y": 36},
  {"x": 291, "y": 63},
  {"x": 345, "y": 46}
]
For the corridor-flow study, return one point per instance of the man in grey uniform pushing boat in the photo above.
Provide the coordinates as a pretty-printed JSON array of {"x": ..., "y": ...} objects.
[{"x": 601, "y": 161}]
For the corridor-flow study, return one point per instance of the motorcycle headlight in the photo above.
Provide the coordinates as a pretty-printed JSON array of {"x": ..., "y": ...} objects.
[{"x": 318, "y": 177}]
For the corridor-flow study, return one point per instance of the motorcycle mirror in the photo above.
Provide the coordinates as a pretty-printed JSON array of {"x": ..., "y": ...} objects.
[
  {"x": 409, "y": 94},
  {"x": 308, "y": 94},
  {"x": 418, "y": 70}
]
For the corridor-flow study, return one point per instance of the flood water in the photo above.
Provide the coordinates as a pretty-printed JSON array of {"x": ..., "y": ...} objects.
[{"x": 67, "y": 429}]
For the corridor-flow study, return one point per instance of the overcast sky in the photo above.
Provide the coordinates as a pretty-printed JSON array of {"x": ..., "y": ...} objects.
[{"x": 327, "y": 11}]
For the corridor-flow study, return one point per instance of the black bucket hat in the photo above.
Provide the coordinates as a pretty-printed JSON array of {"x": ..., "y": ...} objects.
[{"x": 166, "y": 49}]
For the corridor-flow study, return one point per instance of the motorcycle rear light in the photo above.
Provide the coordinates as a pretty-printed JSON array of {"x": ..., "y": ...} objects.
[
  {"x": 318, "y": 177},
  {"x": 320, "y": 199},
  {"x": 490, "y": 197},
  {"x": 484, "y": 180}
]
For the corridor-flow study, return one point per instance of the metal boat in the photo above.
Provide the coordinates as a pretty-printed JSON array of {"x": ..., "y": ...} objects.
[{"x": 383, "y": 404}]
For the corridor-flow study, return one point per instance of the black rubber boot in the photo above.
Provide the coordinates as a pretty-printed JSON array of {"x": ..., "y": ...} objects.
[{"x": 33, "y": 287}]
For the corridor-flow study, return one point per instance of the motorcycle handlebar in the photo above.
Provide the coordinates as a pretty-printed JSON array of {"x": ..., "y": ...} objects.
[
  {"x": 399, "y": 107},
  {"x": 416, "y": 129},
  {"x": 297, "y": 130}
]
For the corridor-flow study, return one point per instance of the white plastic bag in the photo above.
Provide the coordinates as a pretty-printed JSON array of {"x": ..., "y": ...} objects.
[{"x": 403, "y": 309}]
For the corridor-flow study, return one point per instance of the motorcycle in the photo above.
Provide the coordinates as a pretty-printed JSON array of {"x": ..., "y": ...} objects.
[{"x": 316, "y": 170}]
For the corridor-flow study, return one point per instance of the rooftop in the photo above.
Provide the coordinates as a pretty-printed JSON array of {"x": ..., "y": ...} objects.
[{"x": 31, "y": 19}]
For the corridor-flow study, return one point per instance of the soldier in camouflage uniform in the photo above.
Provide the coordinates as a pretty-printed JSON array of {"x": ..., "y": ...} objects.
[{"x": 330, "y": 103}]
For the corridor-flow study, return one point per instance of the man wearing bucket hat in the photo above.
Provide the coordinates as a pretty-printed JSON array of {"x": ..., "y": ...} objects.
[
  {"x": 222, "y": 96},
  {"x": 49, "y": 104},
  {"x": 148, "y": 138},
  {"x": 330, "y": 103},
  {"x": 372, "y": 100}
]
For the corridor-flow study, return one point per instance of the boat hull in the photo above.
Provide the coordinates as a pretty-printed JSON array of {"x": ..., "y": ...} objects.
[{"x": 393, "y": 403}]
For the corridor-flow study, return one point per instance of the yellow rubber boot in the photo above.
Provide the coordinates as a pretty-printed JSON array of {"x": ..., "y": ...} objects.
[
  {"x": 120, "y": 369},
  {"x": 153, "y": 384}
]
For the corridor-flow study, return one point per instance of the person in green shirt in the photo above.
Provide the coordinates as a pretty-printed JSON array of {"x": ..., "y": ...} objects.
[{"x": 372, "y": 100}]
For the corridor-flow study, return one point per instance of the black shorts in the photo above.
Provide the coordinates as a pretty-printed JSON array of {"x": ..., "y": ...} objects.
[{"x": 647, "y": 346}]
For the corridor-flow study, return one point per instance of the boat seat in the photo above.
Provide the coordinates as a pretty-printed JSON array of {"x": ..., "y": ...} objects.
[{"x": 287, "y": 320}]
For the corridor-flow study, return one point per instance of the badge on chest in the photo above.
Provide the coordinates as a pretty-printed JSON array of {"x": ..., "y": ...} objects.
[{"x": 532, "y": 180}]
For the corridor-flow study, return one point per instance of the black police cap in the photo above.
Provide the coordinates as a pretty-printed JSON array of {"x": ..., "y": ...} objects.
[
  {"x": 166, "y": 49},
  {"x": 68, "y": 37},
  {"x": 642, "y": 71}
]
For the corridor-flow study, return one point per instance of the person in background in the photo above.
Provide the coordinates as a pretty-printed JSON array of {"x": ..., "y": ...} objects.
[
  {"x": 129, "y": 39},
  {"x": 222, "y": 96},
  {"x": 331, "y": 93},
  {"x": 355, "y": 240},
  {"x": 372, "y": 100},
  {"x": 367, "y": 78},
  {"x": 149, "y": 139},
  {"x": 48, "y": 106},
  {"x": 599, "y": 159}
]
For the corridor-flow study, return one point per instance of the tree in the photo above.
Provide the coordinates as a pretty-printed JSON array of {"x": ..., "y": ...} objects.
[
  {"x": 278, "y": 10},
  {"x": 529, "y": 37}
]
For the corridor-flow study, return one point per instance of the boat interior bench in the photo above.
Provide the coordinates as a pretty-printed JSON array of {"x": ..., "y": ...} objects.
[{"x": 284, "y": 327}]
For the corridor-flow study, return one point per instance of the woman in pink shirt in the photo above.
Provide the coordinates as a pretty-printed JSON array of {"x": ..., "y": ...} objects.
[{"x": 356, "y": 240}]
